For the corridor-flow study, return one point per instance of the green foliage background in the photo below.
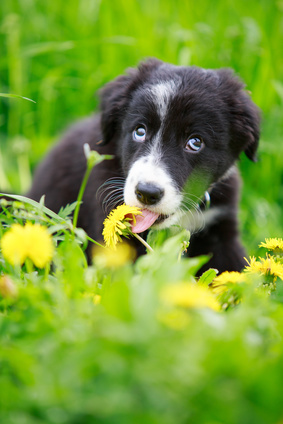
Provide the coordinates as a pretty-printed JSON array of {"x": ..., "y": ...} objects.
[{"x": 64, "y": 360}]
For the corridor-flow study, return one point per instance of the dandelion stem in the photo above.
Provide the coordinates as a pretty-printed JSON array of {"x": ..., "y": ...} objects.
[
  {"x": 46, "y": 271},
  {"x": 95, "y": 242},
  {"x": 143, "y": 242},
  {"x": 29, "y": 266}
]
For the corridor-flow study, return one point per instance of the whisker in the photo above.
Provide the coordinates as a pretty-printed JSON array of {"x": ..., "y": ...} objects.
[
  {"x": 196, "y": 217},
  {"x": 103, "y": 190},
  {"x": 110, "y": 188},
  {"x": 111, "y": 193},
  {"x": 113, "y": 202},
  {"x": 113, "y": 180}
]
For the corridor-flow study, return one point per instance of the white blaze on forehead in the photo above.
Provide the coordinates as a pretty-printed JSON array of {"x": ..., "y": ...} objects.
[{"x": 161, "y": 94}]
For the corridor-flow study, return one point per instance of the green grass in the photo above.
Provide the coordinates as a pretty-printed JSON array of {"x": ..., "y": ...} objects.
[
  {"x": 60, "y": 55},
  {"x": 134, "y": 358}
]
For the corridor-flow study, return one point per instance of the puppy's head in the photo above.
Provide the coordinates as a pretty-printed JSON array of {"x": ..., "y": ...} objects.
[{"x": 178, "y": 131}]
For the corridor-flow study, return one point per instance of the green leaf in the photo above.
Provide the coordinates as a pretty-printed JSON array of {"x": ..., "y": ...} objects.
[
  {"x": 156, "y": 238},
  {"x": 16, "y": 96},
  {"x": 177, "y": 243},
  {"x": 66, "y": 211},
  {"x": 37, "y": 205},
  {"x": 208, "y": 276}
]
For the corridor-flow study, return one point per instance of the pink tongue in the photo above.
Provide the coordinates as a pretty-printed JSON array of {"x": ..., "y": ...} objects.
[{"x": 144, "y": 221}]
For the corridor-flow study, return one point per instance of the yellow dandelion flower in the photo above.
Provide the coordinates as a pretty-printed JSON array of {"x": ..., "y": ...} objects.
[
  {"x": 176, "y": 318},
  {"x": 230, "y": 277},
  {"x": 110, "y": 258},
  {"x": 220, "y": 283},
  {"x": 96, "y": 298},
  {"x": 274, "y": 244},
  {"x": 118, "y": 223},
  {"x": 189, "y": 295},
  {"x": 13, "y": 245},
  {"x": 265, "y": 266},
  {"x": 39, "y": 245},
  {"x": 31, "y": 241}
]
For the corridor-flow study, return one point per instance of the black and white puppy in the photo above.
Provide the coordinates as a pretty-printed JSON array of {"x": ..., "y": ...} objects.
[{"x": 176, "y": 133}]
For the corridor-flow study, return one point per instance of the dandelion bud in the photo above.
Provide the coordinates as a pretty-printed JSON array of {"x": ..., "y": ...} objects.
[
  {"x": 7, "y": 287},
  {"x": 93, "y": 157}
]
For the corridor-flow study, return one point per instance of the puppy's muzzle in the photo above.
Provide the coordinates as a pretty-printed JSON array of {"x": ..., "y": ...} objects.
[{"x": 148, "y": 194}]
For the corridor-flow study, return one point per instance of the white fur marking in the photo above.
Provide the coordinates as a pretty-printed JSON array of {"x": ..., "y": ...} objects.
[
  {"x": 230, "y": 171},
  {"x": 161, "y": 94}
]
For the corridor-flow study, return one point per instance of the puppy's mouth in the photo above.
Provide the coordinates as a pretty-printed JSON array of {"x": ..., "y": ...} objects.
[{"x": 146, "y": 220}]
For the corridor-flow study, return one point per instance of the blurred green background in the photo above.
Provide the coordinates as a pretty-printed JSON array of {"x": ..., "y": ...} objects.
[{"x": 60, "y": 53}]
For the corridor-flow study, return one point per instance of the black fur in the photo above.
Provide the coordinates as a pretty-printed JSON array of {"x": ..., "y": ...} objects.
[{"x": 212, "y": 104}]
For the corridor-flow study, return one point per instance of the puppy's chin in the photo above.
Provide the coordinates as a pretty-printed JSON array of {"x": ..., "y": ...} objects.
[{"x": 166, "y": 221}]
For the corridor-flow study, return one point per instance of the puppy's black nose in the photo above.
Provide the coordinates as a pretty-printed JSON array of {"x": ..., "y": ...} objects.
[{"x": 148, "y": 194}]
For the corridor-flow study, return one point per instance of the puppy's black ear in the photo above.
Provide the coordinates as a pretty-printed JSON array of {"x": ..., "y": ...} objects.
[
  {"x": 116, "y": 95},
  {"x": 244, "y": 114}
]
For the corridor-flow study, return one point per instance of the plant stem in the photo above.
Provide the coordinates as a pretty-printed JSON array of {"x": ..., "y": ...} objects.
[
  {"x": 29, "y": 265},
  {"x": 143, "y": 242},
  {"x": 93, "y": 158},
  {"x": 80, "y": 196},
  {"x": 46, "y": 271},
  {"x": 95, "y": 242}
]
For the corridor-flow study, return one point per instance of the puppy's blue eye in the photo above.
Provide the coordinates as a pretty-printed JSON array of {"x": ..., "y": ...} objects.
[
  {"x": 194, "y": 144},
  {"x": 139, "y": 134}
]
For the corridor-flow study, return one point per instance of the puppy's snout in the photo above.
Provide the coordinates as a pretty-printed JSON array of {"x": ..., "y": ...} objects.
[{"x": 148, "y": 194}]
